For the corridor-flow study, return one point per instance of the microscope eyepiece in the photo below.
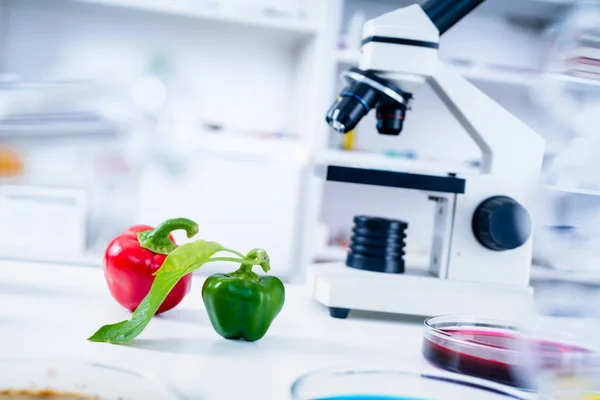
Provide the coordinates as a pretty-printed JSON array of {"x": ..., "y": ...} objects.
[{"x": 364, "y": 91}]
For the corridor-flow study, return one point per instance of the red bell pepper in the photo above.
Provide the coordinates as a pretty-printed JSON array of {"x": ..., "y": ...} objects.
[{"x": 134, "y": 256}]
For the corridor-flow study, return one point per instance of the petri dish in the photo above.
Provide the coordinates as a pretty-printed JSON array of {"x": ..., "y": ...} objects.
[
  {"x": 495, "y": 350},
  {"x": 82, "y": 381},
  {"x": 395, "y": 385}
]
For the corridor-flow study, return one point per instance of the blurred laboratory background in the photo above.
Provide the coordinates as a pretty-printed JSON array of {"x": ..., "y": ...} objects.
[{"x": 117, "y": 112}]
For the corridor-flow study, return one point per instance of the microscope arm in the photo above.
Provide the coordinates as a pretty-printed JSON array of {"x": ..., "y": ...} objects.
[{"x": 509, "y": 147}]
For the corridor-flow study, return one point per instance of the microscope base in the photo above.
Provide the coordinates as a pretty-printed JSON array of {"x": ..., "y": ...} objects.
[{"x": 343, "y": 289}]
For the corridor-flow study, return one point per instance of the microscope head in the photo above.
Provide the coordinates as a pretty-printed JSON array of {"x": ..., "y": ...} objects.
[
  {"x": 399, "y": 52},
  {"x": 364, "y": 91}
]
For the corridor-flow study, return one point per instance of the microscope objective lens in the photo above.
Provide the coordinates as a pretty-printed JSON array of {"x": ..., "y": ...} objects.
[{"x": 338, "y": 126}]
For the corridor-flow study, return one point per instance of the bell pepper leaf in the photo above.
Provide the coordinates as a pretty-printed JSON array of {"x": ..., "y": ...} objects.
[
  {"x": 189, "y": 254},
  {"x": 124, "y": 331},
  {"x": 180, "y": 262}
]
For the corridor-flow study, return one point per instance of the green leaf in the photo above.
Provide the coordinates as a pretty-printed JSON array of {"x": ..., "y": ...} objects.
[
  {"x": 188, "y": 254},
  {"x": 182, "y": 261}
]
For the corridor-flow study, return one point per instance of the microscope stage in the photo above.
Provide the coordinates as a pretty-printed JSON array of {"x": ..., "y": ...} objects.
[{"x": 413, "y": 293}]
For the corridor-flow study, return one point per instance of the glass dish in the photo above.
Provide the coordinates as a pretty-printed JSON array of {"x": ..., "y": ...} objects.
[
  {"x": 98, "y": 381},
  {"x": 495, "y": 350},
  {"x": 395, "y": 385}
]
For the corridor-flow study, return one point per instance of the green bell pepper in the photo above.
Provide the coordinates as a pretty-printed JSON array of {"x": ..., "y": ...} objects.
[{"x": 242, "y": 305}]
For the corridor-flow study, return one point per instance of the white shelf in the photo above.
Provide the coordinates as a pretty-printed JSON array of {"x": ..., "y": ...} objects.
[
  {"x": 496, "y": 76},
  {"x": 525, "y": 79},
  {"x": 581, "y": 82},
  {"x": 90, "y": 259},
  {"x": 197, "y": 11},
  {"x": 574, "y": 190},
  {"x": 539, "y": 273},
  {"x": 347, "y": 56},
  {"x": 265, "y": 148},
  {"x": 331, "y": 253},
  {"x": 357, "y": 159},
  {"x": 481, "y": 74},
  {"x": 55, "y": 130}
]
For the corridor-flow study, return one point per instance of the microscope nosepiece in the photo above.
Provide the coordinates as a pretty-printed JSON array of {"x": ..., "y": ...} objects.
[{"x": 365, "y": 91}]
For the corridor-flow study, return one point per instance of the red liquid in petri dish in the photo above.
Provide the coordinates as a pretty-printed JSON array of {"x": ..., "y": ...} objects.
[{"x": 489, "y": 354}]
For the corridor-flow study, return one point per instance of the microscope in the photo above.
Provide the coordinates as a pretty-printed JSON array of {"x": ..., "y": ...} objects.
[{"x": 481, "y": 250}]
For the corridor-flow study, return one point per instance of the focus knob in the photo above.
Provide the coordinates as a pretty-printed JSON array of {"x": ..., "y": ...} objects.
[{"x": 501, "y": 223}]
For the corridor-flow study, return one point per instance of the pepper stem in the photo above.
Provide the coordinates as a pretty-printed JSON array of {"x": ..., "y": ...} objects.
[
  {"x": 158, "y": 241},
  {"x": 252, "y": 258},
  {"x": 245, "y": 271},
  {"x": 261, "y": 256},
  {"x": 246, "y": 268}
]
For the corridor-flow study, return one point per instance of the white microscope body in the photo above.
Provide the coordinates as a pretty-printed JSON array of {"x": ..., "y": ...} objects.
[{"x": 470, "y": 271}]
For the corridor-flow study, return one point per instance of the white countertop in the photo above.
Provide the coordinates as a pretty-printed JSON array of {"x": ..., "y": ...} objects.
[{"x": 49, "y": 311}]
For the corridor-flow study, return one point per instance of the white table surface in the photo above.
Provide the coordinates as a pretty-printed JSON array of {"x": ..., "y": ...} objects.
[{"x": 49, "y": 311}]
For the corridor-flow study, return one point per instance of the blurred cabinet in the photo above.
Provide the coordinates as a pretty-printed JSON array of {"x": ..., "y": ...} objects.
[
  {"x": 253, "y": 68},
  {"x": 241, "y": 203},
  {"x": 76, "y": 187},
  {"x": 41, "y": 221}
]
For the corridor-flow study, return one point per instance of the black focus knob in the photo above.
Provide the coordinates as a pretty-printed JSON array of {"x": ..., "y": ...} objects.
[{"x": 501, "y": 223}]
